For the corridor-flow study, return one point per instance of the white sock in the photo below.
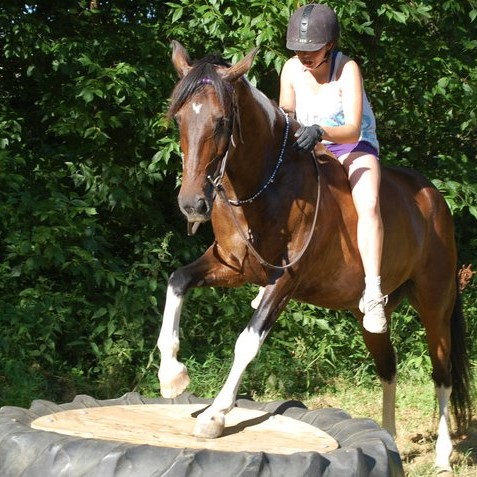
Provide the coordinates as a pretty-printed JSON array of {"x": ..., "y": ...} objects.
[{"x": 373, "y": 286}]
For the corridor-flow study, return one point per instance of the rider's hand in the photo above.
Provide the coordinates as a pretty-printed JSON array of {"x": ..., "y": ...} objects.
[{"x": 307, "y": 137}]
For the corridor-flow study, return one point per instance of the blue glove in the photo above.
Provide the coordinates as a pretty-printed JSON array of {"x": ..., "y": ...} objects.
[{"x": 307, "y": 137}]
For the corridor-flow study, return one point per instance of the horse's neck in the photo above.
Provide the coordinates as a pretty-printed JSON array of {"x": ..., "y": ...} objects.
[
  {"x": 256, "y": 139},
  {"x": 258, "y": 115}
]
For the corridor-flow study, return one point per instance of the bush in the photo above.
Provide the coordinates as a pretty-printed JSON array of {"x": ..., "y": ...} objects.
[{"x": 89, "y": 168}]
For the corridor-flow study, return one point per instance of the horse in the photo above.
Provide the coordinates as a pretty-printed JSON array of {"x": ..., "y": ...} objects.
[{"x": 284, "y": 220}]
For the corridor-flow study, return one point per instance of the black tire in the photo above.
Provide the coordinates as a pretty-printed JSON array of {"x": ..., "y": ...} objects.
[{"x": 365, "y": 448}]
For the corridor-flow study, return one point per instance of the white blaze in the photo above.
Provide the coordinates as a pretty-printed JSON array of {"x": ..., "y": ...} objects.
[{"x": 197, "y": 107}]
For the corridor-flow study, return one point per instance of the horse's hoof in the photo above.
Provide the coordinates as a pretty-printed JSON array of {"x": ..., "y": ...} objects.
[
  {"x": 444, "y": 470},
  {"x": 209, "y": 426},
  {"x": 172, "y": 387}
]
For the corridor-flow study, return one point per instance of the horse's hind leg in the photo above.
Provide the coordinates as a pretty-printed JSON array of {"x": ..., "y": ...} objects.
[
  {"x": 439, "y": 342},
  {"x": 434, "y": 296},
  {"x": 435, "y": 313},
  {"x": 443, "y": 444},
  {"x": 382, "y": 351}
]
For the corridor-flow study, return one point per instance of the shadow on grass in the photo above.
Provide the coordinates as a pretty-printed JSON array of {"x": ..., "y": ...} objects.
[{"x": 466, "y": 444}]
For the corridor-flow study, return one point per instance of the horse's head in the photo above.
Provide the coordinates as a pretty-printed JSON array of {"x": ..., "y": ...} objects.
[{"x": 202, "y": 103}]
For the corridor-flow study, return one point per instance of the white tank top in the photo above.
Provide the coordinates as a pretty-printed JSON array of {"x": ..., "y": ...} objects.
[{"x": 327, "y": 110}]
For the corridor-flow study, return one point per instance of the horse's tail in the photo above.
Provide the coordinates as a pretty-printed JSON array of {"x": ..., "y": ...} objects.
[{"x": 461, "y": 397}]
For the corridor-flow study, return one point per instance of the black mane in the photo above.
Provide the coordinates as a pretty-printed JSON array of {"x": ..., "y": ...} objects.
[{"x": 203, "y": 72}]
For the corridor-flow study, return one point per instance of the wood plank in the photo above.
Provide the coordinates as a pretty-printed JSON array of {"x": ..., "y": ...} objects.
[{"x": 164, "y": 425}]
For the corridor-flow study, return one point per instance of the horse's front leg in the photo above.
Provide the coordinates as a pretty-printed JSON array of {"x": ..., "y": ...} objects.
[
  {"x": 172, "y": 373},
  {"x": 211, "y": 422},
  {"x": 205, "y": 271}
]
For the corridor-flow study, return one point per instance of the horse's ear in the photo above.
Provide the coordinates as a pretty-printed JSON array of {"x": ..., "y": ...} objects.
[
  {"x": 180, "y": 59},
  {"x": 240, "y": 68}
]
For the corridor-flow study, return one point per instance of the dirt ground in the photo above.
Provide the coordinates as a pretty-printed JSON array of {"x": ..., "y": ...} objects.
[
  {"x": 416, "y": 440},
  {"x": 416, "y": 422}
]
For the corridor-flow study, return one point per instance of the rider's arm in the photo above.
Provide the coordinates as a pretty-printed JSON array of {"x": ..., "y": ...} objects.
[
  {"x": 287, "y": 99},
  {"x": 352, "y": 96}
]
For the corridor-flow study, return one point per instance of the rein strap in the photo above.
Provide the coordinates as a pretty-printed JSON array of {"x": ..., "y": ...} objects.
[
  {"x": 217, "y": 184},
  {"x": 274, "y": 173}
]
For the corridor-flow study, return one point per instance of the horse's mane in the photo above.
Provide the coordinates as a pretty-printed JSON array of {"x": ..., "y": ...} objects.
[{"x": 203, "y": 72}]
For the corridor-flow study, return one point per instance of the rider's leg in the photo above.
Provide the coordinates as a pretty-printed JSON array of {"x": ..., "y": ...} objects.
[{"x": 364, "y": 173}]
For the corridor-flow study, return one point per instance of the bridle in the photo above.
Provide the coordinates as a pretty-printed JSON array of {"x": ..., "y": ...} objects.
[{"x": 216, "y": 181}]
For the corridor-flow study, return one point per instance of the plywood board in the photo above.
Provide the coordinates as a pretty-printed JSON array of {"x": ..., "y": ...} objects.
[{"x": 164, "y": 425}]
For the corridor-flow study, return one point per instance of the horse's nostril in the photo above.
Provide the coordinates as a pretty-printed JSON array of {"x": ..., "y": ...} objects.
[
  {"x": 201, "y": 206},
  {"x": 195, "y": 207},
  {"x": 188, "y": 209}
]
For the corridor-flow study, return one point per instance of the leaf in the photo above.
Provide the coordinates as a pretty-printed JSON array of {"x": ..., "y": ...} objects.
[
  {"x": 91, "y": 211},
  {"x": 443, "y": 82},
  {"x": 87, "y": 94},
  {"x": 99, "y": 313},
  {"x": 177, "y": 15},
  {"x": 85, "y": 60},
  {"x": 95, "y": 349},
  {"x": 400, "y": 17},
  {"x": 111, "y": 328},
  {"x": 153, "y": 285}
]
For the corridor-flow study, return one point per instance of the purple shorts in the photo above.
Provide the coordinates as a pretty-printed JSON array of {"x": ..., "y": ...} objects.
[{"x": 362, "y": 146}]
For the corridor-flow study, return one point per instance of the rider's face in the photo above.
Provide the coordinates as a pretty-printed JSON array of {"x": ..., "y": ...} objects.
[{"x": 312, "y": 59}]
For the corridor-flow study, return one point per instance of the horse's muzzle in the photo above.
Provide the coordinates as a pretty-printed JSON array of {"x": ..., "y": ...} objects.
[{"x": 196, "y": 208}]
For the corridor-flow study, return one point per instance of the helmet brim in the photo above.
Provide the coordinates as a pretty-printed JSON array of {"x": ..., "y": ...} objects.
[{"x": 302, "y": 46}]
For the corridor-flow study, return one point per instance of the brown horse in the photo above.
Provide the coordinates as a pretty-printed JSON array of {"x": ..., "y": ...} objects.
[{"x": 285, "y": 220}]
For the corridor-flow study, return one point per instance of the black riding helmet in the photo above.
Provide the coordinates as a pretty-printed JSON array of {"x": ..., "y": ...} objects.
[{"x": 311, "y": 27}]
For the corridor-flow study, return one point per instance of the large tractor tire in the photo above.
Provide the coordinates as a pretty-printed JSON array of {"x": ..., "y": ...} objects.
[{"x": 364, "y": 450}]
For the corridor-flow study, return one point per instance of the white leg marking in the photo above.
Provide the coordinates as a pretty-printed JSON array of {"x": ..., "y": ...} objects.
[
  {"x": 389, "y": 406},
  {"x": 256, "y": 301},
  {"x": 444, "y": 443},
  {"x": 172, "y": 374},
  {"x": 246, "y": 348},
  {"x": 212, "y": 421}
]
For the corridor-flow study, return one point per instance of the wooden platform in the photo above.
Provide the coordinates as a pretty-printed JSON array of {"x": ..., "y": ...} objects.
[{"x": 166, "y": 425}]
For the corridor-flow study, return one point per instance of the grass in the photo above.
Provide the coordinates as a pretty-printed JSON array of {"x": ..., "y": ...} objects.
[
  {"x": 416, "y": 410},
  {"x": 416, "y": 422}
]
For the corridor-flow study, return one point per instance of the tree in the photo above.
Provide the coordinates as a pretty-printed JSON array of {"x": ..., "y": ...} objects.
[{"x": 89, "y": 227}]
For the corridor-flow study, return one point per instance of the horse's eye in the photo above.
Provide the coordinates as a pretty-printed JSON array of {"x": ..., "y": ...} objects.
[{"x": 221, "y": 125}]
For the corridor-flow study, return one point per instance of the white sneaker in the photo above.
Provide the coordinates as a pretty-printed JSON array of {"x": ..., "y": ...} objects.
[{"x": 374, "y": 319}]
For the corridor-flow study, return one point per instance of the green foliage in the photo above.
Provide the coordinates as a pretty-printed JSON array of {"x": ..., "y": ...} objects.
[
  {"x": 459, "y": 196},
  {"x": 307, "y": 349},
  {"x": 89, "y": 226}
]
